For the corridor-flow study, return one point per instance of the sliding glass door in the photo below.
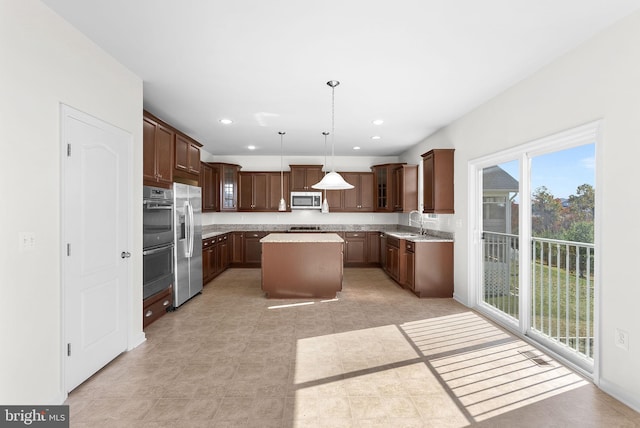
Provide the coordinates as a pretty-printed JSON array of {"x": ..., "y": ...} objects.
[
  {"x": 563, "y": 254},
  {"x": 536, "y": 258},
  {"x": 500, "y": 239}
]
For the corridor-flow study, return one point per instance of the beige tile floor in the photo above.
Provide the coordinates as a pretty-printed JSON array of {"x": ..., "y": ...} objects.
[{"x": 376, "y": 356}]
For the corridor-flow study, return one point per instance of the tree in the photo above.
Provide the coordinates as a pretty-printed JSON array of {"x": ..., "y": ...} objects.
[
  {"x": 581, "y": 231},
  {"x": 546, "y": 210},
  {"x": 582, "y": 204}
]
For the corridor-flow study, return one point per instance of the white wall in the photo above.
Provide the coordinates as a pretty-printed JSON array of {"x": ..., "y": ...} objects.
[
  {"x": 600, "y": 79},
  {"x": 46, "y": 62}
]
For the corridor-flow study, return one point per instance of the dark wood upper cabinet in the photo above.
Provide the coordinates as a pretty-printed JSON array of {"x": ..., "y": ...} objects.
[
  {"x": 252, "y": 191},
  {"x": 358, "y": 199},
  {"x": 260, "y": 191},
  {"x": 228, "y": 186},
  {"x": 157, "y": 152},
  {"x": 405, "y": 194},
  {"x": 221, "y": 190},
  {"x": 305, "y": 176},
  {"x": 210, "y": 183},
  {"x": 395, "y": 187},
  {"x": 186, "y": 155},
  {"x": 437, "y": 170},
  {"x": 274, "y": 191},
  {"x": 335, "y": 199}
]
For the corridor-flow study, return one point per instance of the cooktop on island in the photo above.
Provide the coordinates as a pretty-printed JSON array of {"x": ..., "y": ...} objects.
[{"x": 304, "y": 229}]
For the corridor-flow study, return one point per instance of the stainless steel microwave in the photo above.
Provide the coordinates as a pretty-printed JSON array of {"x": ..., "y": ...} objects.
[{"x": 306, "y": 200}]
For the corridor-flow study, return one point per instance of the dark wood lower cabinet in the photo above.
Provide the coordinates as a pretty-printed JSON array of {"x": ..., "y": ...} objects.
[
  {"x": 245, "y": 249},
  {"x": 361, "y": 249},
  {"x": 394, "y": 259},
  {"x": 373, "y": 248},
  {"x": 156, "y": 306},
  {"x": 310, "y": 269},
  {"x": 425, "y": 268},
  {"x": 355, "y": 248},
  {"x": 253, "y": 248},
  {"x": 430, "y": 269},
  {"x": 237, "y": 248},
  {"x": 215, "y": 256}
]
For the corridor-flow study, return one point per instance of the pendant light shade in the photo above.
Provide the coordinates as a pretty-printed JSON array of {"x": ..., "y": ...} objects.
[
  {"x": 332, "y": 180},
  {"x": 282, "y": 206}
]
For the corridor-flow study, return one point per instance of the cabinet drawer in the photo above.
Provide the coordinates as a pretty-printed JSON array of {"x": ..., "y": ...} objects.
[
  {"x": 355, "y": 234},
  {"x": 222, "y": 238},
  {"x": 208, "y": 242},
  {"x": 255, "y": 234},
  {"x": 156, "y": 306},
  {"x": 409, "y": 246},
  {"x": 393, "y": 241}
]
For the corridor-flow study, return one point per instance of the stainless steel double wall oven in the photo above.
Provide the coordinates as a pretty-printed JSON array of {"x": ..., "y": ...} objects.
[{"x": 158, "y": 238}]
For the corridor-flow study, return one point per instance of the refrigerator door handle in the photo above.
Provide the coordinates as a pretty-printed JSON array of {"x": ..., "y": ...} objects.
[{"x": 192, "y": 230}]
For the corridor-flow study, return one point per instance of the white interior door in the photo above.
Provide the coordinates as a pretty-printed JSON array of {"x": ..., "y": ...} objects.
[{"x": 95, "y": 235}]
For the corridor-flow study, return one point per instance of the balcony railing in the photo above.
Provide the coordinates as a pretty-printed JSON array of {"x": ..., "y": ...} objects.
[
  {"x": 501, "y": 272},
  {"x": 562, "y": 295},
  {"x": 562, "y": 287}
]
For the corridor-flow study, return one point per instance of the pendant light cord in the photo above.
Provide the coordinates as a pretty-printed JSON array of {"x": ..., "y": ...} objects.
[
  {"x": 333, "y": 126},
  {"x": 281, "y": 167}
]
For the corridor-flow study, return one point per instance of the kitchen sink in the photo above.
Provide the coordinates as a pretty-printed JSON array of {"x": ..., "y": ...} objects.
[{"x": 403, "y": 234}]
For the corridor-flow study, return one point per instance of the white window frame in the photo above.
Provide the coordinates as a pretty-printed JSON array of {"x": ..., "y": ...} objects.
[{"x": 584, "y": 134}]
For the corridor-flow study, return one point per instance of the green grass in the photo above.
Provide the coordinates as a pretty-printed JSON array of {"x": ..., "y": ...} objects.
[{"x": 554, "y": 304}]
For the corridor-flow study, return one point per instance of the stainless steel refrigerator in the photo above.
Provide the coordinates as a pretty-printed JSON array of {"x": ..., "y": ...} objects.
[{"x": 188, "y": 242}]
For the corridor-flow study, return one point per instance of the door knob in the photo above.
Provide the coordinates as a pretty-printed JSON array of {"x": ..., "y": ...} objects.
[{"x": 125, "y": 254}]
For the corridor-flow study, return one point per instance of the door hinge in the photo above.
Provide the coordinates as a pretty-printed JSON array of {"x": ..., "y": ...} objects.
[
  {"x": 68, "y": 349},
  {"x": 68, "y": 249},
  {"x": 68, "y": 149}
]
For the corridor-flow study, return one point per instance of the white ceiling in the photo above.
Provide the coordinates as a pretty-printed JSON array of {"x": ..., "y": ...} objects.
[{"x": 416, "y": 64}]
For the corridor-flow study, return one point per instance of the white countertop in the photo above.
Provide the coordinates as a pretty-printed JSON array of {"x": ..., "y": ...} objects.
[{"x": 301, "y": 237}]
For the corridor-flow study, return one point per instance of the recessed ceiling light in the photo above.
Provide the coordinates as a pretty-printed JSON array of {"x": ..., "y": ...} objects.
[
  {"x": 375, "y": 137},
  {"x": 356, "y": 148},
  {"x": 251, "y": 147},
  {"x": 226, "y": 121},
  {"x": 378, "y": 122}
]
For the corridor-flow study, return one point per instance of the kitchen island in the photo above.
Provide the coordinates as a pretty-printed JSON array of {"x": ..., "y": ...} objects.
[{"x": 302, "y": 265}]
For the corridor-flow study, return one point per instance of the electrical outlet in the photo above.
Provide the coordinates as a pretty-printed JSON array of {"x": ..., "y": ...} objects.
[
  {"x": 622, "y": 339},
  {"x": 27, "y": 241}
]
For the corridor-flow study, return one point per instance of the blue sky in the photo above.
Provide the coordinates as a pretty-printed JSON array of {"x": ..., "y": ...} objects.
[{"x": 561, "y": 172}]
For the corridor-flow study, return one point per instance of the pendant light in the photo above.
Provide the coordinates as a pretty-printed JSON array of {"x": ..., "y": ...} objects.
[
  {"x": 332, "y": 180},
  {"x": 282, "y": 206},
  {"x": 325, "y": 204}
]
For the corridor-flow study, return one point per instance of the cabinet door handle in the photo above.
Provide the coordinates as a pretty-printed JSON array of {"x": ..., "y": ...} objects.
[
  {"x": 165, "y": 303},
  {"x": 149, "y": 313}
]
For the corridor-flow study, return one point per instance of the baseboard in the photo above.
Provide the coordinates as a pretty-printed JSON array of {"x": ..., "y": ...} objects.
[
  {"x": 619, "y": 394},
  {"x": 58, "y": 399},
  {"x": 459, "y": 300},
  {"x": 137, "y": 340}
]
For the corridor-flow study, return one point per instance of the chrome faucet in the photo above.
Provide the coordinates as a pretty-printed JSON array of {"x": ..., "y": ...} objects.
[{"x": 421, "y": 224}]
